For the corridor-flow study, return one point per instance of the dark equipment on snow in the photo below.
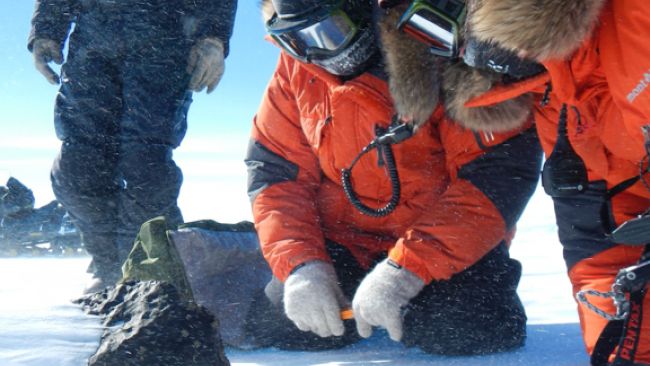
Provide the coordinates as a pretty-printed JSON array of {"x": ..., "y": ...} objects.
[
  {"x": 25, "y": 230},
  {"x": 396, "y": 133}
]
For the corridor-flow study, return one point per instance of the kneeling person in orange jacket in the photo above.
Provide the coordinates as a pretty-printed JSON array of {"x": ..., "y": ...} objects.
[
  {"x": 592, "y": 114},
  {"x": 431, "y": 266}
]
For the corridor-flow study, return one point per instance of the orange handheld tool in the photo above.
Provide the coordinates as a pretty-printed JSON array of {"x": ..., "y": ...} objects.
[{"x": 346, "y": 314}]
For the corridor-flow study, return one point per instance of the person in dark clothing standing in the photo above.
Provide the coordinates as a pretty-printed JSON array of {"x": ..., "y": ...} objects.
[{"x": 126, "y": 87}]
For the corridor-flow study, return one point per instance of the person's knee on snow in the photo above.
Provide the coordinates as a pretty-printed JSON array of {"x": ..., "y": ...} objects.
[{"x": 475, "y": 312}]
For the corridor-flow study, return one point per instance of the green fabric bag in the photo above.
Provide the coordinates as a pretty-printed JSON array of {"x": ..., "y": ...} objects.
[{"x": 154, "y": 257}]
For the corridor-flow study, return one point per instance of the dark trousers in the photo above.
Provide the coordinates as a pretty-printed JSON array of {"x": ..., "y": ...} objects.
[
  {"x": 475, "y": 312},
  {"x": 120, "y": 112}
]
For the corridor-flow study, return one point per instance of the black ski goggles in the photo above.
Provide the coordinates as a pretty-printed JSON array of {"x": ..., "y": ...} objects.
[
  {"x": 437, "y": 23},
  {"x": 324, "y": 38}
]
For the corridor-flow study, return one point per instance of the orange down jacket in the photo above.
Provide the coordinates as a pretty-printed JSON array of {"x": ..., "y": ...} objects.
[
  {"x": 462, "y": 192},
  {"x": 606, "y": 86}
]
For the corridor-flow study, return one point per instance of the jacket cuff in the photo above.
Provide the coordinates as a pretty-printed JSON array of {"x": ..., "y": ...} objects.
[
  {"x": 283, "y": 268},
  {"x": 401, "y": 256}
]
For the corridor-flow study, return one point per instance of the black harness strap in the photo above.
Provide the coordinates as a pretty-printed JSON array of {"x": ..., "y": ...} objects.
[
  {"x": 622, "y": 186},
  {"x": 622, "y": 335},
  {"x": 607, "y": 342},
  {"x": 629, "y": 339}
]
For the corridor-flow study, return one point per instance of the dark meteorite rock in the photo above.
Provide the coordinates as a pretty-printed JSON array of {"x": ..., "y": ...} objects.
[{"x": 148, "y": 324}]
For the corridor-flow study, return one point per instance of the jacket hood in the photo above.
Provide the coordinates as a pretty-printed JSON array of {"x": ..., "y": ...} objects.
[
  {"x": 537, "y": 29},
  {"x": 414, "y": 73},
  {"x": 419, "y": 80}
]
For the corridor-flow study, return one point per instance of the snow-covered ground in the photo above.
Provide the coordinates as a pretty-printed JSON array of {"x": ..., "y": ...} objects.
[
  {"x": 39, "y": 326},
  {"x": 38, "y": 323}
]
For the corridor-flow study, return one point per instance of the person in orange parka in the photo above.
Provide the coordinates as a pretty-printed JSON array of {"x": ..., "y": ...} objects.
[
  {"x": 592, "y": 108},
  {"x": 435, "y": 271}
]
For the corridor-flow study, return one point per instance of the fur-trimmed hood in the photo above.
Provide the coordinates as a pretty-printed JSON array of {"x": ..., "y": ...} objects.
[
  {"x": 414, "y": 73},
  {"x": 420, "y": 80},
  {"x": 536, "y": 29}
]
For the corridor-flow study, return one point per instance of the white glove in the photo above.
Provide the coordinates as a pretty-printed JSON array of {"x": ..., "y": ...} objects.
[
  {"x": 381, "y": 296},
  {"x": 313, "y": 299},
  {"x": 44, "y": 52},
  {"x": 206, "y": 64}
]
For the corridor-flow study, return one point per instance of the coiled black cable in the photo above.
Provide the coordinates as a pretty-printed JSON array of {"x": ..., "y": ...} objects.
[
  {"x": 394, "y": 182},
  {"x": 383, "y": 142}
]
